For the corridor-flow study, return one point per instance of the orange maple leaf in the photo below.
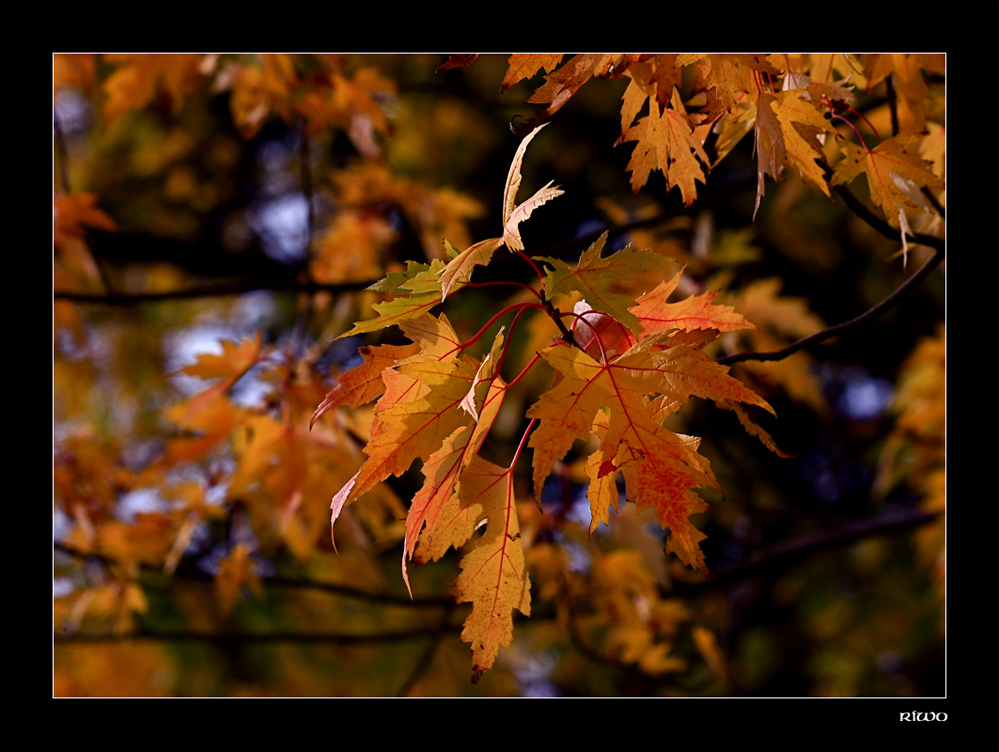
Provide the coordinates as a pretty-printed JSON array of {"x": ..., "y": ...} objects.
[
  {"x": 139, "y": 77},
  {"x": 363, "y": 384},
  {"x": 494, "y": 574},
  {"x": 801, "y": 123},
  {"x": 660, "y": 467},
  {"x": 207, "y": 413},
  {"x": 696, "y": 312},
  {"x": 513, "y": 214},
  {"x": 667, "y": 143},
  {"x": 76, "y": 210},
  {"x": 457, "y": 61},
  {"x": 888, "y": 166},
  {"x": 419, "y": 409},
  {"x": 525, "y": 66},
  {"x": 444, "y": 467},
  {"x": 771, "y": 156},
  {"x": 461, "y": 265}
]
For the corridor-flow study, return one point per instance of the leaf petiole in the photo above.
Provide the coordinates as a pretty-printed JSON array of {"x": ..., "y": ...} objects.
[
  {"x": 523, "y": 439},
  {"x": 530, "y": 261},
  {"x": 499, "y": 366},
  {"x": 862, "y": 142},
  {"x": 530, "y": 289},
  {"x": 473, "y": 340},
  {"x": 863, "y": 117}
]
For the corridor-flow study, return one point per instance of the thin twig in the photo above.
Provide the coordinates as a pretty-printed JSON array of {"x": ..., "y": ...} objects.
[
  {"x": 892, "y": 103},
  {"x": 904, "y": 289},
  {"x": 258, "y": 637},
  {"x": 219, "y": 290},
  {"x": 780, "y": 554},
  {"x": 191, "y": 573},
  {"x": 937, "y": 206},
  {"x": 555, "y": 315},
  {"x": 882, "y": 226},
  {"x": 426, "y": 657}
]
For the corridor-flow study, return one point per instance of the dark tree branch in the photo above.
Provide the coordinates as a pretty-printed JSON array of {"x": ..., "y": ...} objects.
[
  {"x": 221, "y": 289},
  {"x": 426, "y": 657},
  {"x": 240, "y": 287},
  {"x": 904, "y": 289},
  {"x": 858, "y": 208},
  {"x": 302, "y": 638},
  {"x": 781, "y": 554},
  {"x": 937, "y": 206},
  {"x": 192, "y": 573},
  {"x": 892, "y": 103},
  {"x": 382, "y": 598}
]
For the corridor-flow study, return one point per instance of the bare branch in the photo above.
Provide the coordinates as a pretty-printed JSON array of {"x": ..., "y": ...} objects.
[
  {"x": 892, "y": 103},
  {"x": 904, "y": 289},
  {"x": 256, "y": 637},
  {"x": 218, "y": 290},
  {"x": 191, "y": 573},
  {"x": 427, "y": 655},
  {"x": 782, "y": 553},
  {"x": 858, "y": 208}
]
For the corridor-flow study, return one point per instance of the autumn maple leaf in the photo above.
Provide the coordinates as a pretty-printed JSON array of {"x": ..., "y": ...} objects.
[
  {"x": 888, "y": 167},
  {"x": 419, "y": 407},
  {"x": 514, "y": 214},
  {"x": 494, "y": 573},
  {"x": 75, "y": 211},
  {"x": 139, "y": 77},
  {"x": 660, "y": 467},
  {"x": 666, "y": 142},
  {"x": 654, "y": 314},
  {"x": 632, "y": 365},
  {"x": 771, "y": 156},
  {"x": 460, "y": 267},
  {"x": 595, "y": 276},
  {"x": 525, "y": 66},
  {"x": 364, "y": 384},
  {"x": 800, "y": 125}
]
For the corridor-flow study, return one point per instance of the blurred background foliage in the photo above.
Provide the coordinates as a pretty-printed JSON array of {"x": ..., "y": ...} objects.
[{"x": 231, "y": 209}]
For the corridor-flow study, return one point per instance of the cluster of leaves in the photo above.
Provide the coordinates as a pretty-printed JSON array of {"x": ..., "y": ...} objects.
[
  {"x": 630, "y": 365},
  {"x": 632, "y": 355},
  {"x": 736, "y": 94}
]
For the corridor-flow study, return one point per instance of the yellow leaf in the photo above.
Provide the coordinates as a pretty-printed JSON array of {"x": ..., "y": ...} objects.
[
  {"x": 667, "y": 143},
  {"x": 513, "y": 215},
  {"x": 594, "y": 276},
  {"x": 494, "y": 574},
  {"x": 525, "y": 66},
  {"x": 696, "y": 312},
  {"x": 881, "y": 165},
  {"x": 801, "y": 122},
  {"x": 461, "y": 266},
  {"x": 140, "y": 76}
]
